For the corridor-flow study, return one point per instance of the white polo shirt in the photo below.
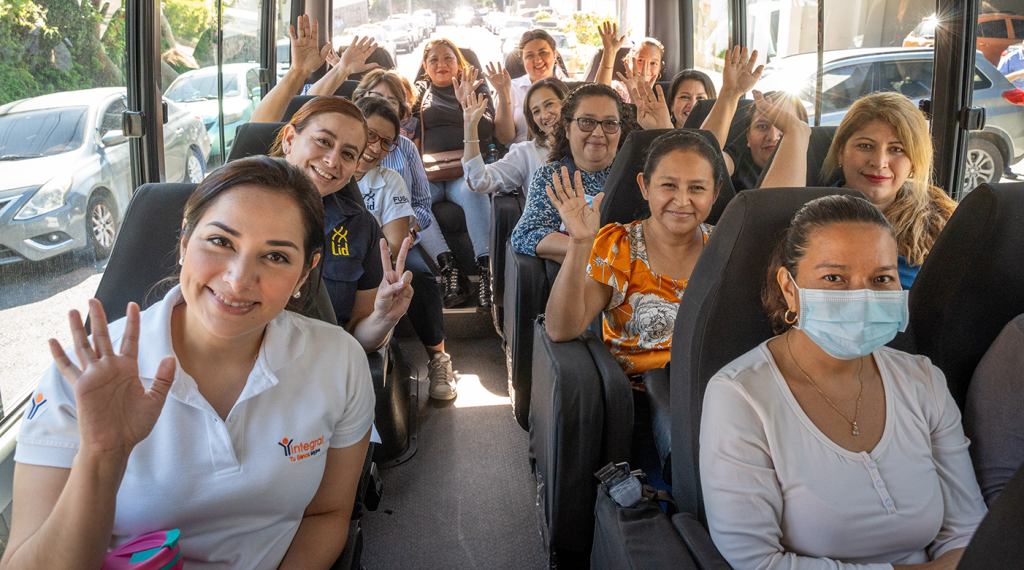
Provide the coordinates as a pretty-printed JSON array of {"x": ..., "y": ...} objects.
[
  {"x": 234, "y": 488},
  {"x": 386, "y": 196}
]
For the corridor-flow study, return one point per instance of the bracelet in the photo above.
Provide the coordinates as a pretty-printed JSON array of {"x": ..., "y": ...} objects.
[
  {"x": 464, "y": 141},
  {"x": 607, "y": 67}
]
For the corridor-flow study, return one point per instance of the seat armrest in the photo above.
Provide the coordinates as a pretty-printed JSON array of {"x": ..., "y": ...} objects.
[
  {"x": 640, "y": 537},
  {"x": 698, "y": 542}
]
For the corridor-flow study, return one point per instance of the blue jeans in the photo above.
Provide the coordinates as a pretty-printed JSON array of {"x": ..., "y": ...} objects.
[{"x": 476, "y": 206}]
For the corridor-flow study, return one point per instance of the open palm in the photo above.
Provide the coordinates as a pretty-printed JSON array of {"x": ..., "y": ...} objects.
[
  {"x": 582, "y": 220},
  {"x": 739, "y": 73},
  {"x": 115, "y": 411},
  {"x": 306, "y": 53}
]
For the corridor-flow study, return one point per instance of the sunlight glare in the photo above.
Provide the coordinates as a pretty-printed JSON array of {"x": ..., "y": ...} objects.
[{"x": 473, "y": 394}]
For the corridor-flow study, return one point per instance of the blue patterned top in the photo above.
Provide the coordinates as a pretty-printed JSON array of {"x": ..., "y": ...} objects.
[
  {"x": 406, "y": 161},
  {"x": 540, "y": 217}
]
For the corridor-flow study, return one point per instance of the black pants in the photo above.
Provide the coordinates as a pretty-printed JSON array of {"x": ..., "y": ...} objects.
[{"x": 426, "y": 311}]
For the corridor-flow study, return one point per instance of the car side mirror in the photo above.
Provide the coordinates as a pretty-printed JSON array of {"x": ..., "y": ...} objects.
[
  {"x": 114, "y": 138},
  {"x": 256, "y": 93}
]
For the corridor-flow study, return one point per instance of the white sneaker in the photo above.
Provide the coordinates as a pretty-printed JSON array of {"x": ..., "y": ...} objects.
[{"x": 442, "y": 378}]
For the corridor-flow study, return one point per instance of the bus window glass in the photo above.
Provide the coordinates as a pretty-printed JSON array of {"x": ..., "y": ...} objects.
[
  {"x": 65, "y": 176},
  {"x": 710, "y": 36}
]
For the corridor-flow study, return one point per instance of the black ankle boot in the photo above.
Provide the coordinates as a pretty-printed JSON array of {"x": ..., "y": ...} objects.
[
  {"x": 456, "y": 285},
  {"x": 484, "y": 262}
]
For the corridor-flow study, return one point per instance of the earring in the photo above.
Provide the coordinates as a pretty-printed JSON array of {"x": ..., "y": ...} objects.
[
  {"x": 297, "y": 295},
  {"x": 181, "y": 261},
  {"x": 788, "y": 320}
]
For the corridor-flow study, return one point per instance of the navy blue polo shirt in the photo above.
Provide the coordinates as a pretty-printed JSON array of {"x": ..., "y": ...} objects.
[{"x": 352, "y": 256}]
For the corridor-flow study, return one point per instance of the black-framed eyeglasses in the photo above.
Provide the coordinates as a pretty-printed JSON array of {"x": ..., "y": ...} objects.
[
  {"x": 386, "y": 144},
  {"x": 588, "y": 125}
]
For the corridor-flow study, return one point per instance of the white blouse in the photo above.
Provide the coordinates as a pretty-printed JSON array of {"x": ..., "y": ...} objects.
[
  {"x": 514, "y": 170},
  {"x": 237, "y": 488},
  {"x": 781, "y": 494},
  {"x": 517, "y": 96}
]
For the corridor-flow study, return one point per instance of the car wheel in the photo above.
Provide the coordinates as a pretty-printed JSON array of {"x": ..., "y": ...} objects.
[
  {"x": 984, "y": 164},
  {"x": 101, "y": 223},
  {"x": 195, "y": 166}
]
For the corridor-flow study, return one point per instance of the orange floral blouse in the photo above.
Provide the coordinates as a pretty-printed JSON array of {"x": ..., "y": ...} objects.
[{"x": 640, "y": 317}]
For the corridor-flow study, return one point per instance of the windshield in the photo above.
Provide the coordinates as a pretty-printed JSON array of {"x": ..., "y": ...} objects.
[
  {"x": 201, "y": 86},
  {"x": 41, "y": 133},
  {"x": 517, "y": 24},
  {"x": 394, "y": 27}
]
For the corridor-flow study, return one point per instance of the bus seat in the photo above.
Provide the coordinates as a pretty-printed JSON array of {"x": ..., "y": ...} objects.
[
  {"x": 581, "y": 418},
  {"x": 528, "y": 281},
  {"x": 506, "y": 209},
  {"x": 1000, "y": 537},
  {"x": 293, "y": 107},
  {"x": 970, "y": 285},
  {"x": 467, "y": 52},
  {"x": 736, "y": 141},
  {"x": 623, "y": 203},
  {"x": 346, "y": 89},
  {"x": 817, "y": 151},
  {"x": 252, "y": 139},
  {"x": 381, "y": 57},
  {"x": 721, "y": 316},
  {"x": 590, "y": 75}
]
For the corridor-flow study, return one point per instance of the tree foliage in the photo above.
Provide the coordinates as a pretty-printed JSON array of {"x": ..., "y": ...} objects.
[
  {"x": 585, "y": 25},
  {"x": 189, "y": 18}
]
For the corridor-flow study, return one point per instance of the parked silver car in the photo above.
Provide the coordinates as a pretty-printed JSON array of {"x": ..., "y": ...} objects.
[
  {"x": 851, "y": 74},
  {"x": 65, "y": 170}
]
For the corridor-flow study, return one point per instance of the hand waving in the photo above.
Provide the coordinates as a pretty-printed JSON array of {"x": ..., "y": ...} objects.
[
  {"x": 353, "y": 59},
  {"x": 780, "y": 113},
  {"x": 115, "y": 412},
  {"x": 499, "y": 78},
  {"x": 395, "y": 291},
  {"x": 466, "y": 83},
  {"x": 474, "y": 108},
  {"x": 651, "y": 107},
  {"x": 582, "y": 221},
  {"x": 739, "y": 74},
  {"x": 609, "y": 32},
  {"x": 306, "y": 56}
]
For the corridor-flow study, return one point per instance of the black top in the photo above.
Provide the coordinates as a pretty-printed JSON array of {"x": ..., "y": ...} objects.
[
  {"x": 352, "y": 255},
  {"x": 746, "y": 173},
  {"x": 440, "y": 115}
]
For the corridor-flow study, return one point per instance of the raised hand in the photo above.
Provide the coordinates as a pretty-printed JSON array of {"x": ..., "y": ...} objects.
[
  {"x": 353, "y": 59},
  {"x": 631, "y": 77},
  {"x": 114, "y": 411},
  {"x": 466, "y": 83},
  {"x": 499, "y": 78},
  {"x": 474, "y": 107},
  {"x": 395, "y": 291},
  {"x": 582, "y": 221},
  {"x": 780, "y": 113},
  {"x": 306, "y": 55},
  {"x": 609, "y": 32},
  {"x": 740, "y": 74},
  {"x": 652, "y": 110}
]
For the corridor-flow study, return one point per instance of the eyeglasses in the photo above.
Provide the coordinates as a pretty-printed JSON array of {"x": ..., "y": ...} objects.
[
  {"x": 386, "y": 144},
  {"x": 588, "y": 125},
  {"x": 394, "y": 102}
]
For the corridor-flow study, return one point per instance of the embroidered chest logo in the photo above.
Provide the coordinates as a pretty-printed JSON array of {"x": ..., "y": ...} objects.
[
  {"x": 299, "y": 451},
  {"x": 339, "y": 241},
  {"x": 37, "y": 404},
  {"x": 371, "y": 200}
]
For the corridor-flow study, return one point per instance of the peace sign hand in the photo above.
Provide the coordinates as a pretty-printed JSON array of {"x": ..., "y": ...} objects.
[
  {"x": 467, "y": 84},
  {"x": 115, "y": 412},
  {"x": 582, "y": 221},
  {"x": 395, "y": 291},
  {"x": 306, "y": 55},
  {"x": 739, "y": 74}
]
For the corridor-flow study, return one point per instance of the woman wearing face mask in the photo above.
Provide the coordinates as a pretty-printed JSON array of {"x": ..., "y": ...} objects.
[
  {"x": 210, "y": 392},
  {"x": 637, "y": 272},
  {"x": 883, "y": 150},
  {"x": 386, "y": 197},
  {"x": 821, "y": 448},
  {"x": 515, "y": 169},
  {"x": 439, "y": 109},
  {"x": 325, "y": 139},
  {"x": 539, "y": 53},
  {"x": 587, "y": 136},
  {"x": 746, "y": 161},
  {"x": 688, "y": 87},
  {"x": 646, "y": 57}
]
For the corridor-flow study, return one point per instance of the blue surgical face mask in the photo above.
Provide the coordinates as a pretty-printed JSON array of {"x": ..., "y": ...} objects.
[{"x": 851, "y": 324}]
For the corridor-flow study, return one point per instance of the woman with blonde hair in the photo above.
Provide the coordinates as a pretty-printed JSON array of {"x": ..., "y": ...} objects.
[{"x": 883, "y": 150}]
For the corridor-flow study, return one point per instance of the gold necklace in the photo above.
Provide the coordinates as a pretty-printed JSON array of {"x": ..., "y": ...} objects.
[{"x": 853, "y": 422}]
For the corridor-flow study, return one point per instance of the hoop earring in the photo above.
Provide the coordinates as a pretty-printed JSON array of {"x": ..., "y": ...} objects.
[{"x": 789, "y": 321}]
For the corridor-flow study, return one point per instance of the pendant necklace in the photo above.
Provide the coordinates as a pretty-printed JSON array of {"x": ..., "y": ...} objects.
[{"x": 853, "y": 422}]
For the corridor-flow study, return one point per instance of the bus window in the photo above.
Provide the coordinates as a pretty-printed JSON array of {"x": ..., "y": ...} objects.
[
  {"x": 65, "y": 174},
  {"x": 710, "y": 36}
]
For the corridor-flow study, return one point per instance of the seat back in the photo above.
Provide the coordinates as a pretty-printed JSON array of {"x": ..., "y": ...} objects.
[
  {"x": 736, "y": 143},
  {"x": 506, "y": 209},
  {"x": 590, "y": 75},
  {"x": 623, "y": 201},
  {"x": 721, "y": 316},
  {"x": 971, "y": 284},
  {"x": 999, "y": 539},
  {"x": 293, "y": 107},
  {"x": 817, "y": 151},
  {"x": 253, "y": 139},
  {"x": 381, "y": 57},
  {"x": 346, "y": 89}
]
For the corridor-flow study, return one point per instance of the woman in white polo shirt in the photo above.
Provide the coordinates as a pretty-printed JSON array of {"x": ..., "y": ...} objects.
[{"x": 223, "y": 415}]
